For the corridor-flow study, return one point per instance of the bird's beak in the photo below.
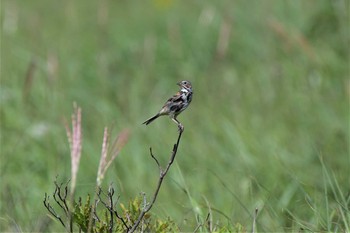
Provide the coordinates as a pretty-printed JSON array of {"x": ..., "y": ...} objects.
[{"x": 179, "y": 83}]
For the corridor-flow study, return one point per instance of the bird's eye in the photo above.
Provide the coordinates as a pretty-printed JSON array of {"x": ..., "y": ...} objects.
[{"x": 185, "y": 82}]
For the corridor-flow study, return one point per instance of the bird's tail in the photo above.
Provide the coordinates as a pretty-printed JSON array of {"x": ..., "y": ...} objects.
[{"x": 151, "y": 119}]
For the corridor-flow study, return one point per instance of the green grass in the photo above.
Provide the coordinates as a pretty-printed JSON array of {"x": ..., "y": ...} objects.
[{"x": 268, "y": 127}]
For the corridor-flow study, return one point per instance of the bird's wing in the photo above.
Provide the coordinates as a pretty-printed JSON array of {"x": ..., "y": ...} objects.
[{"x": 174, "y": 98}]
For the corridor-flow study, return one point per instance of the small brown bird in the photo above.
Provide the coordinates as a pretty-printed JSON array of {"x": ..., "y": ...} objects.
[{"x": 176, "y": 104}]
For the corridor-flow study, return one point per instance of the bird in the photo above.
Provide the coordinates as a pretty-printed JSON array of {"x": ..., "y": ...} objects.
[{"x": 175, "y": 104}]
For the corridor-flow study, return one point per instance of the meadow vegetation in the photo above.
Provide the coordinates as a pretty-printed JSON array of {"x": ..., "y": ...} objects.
[{"x": 268, "y": 127}]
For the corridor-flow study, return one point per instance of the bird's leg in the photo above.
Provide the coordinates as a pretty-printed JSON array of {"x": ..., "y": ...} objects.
[{"x": 179, "y": 125}]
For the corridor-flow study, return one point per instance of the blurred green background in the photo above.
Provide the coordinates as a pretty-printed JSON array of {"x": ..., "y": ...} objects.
[{"x": 268, "y": 126}]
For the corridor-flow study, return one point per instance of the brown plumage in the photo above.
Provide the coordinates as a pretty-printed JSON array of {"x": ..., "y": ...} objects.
[{"x": 176, "y": 104}]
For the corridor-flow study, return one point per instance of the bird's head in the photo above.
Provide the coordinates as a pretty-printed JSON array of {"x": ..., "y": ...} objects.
[{"x": 185, "y": 85}]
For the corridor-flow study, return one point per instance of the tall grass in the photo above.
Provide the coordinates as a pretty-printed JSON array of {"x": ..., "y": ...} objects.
[{"x": 271, "y": 90}]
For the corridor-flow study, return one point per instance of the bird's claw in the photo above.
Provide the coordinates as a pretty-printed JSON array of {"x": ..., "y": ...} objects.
[{"x": 181, "y": 127}]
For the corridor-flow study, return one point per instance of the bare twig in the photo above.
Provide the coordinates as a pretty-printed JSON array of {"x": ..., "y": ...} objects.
[
  {"x": 110, "y": 207},
  {"x": 60, "y": 196},
  {"x": 155, "y": 159},
  {"x": 51, "y": 209},
  {"x": 58, "y": 201},
  {"x": 254, "y": 220},
  {"x": 162, "y": 174},
  {"x": 63, "y": 199},
  {"x": 110, "y": 197}
]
